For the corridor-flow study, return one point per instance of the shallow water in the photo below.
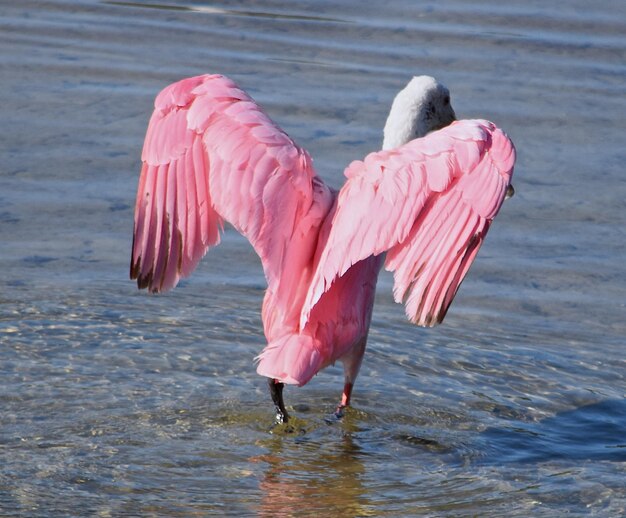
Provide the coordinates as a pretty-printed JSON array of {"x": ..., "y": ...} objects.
[{"x": 118, "y": 403}]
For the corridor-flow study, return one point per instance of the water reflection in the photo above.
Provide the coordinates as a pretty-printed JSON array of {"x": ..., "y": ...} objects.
[{"x": 325, "y": 477}]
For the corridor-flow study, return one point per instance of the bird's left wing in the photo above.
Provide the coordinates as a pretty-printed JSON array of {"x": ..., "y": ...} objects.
[
  {"x": 212, "y": 155},
  {"x": 428, "y": 204}
]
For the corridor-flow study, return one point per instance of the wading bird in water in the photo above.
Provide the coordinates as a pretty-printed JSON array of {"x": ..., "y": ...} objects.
[{"x": 421, "y": 206}]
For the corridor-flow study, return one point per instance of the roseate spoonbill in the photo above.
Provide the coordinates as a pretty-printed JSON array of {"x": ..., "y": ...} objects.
[{"x": 422, "y": 206}]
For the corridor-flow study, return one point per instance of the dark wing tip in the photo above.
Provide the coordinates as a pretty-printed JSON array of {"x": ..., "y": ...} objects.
[{"x": 144, "y": 280}]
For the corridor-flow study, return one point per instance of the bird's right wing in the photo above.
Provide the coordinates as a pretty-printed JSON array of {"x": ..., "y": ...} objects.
[
  {"x": 428, "y": 204},
  {"x": 211, "y": 154}
]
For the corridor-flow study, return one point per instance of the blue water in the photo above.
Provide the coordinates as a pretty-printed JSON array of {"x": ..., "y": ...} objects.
[{"x": 113, "y": 402}]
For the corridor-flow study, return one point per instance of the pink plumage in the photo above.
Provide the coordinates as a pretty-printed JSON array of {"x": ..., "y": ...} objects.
[
  {"x": 428, "y": 204},
  {"x": 212, "y": 155}
]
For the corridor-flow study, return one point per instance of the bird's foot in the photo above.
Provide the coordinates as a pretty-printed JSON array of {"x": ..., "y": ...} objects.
[
  {"x": 340, "y": 411},
  {"x": 281, "y": 417},
  {"x": 345, "y": 401},
  {"x": 337, "y": 415},
  {"x": 281, "y": 427}
]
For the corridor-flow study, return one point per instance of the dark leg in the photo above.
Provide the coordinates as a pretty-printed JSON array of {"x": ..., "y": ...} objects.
[{"x": 276, "y": 391}]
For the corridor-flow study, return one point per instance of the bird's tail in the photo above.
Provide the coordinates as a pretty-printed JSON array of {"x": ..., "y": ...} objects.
[{"x": 292, "y": 359}]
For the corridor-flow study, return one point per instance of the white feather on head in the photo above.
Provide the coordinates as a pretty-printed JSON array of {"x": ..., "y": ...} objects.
[{"x": 422, "y": 106}]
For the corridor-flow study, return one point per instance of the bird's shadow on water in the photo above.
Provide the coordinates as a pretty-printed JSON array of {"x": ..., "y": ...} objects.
[{"x": 594, "y": 432}]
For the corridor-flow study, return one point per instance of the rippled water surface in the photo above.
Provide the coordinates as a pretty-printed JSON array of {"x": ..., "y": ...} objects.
[{"x": 116, "y": 403}]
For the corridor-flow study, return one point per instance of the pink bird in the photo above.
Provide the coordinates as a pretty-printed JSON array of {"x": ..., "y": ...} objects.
[{"x": 421, "y": 206}]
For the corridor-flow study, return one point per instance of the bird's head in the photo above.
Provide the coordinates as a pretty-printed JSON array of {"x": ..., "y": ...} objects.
[{"x": 420, "y": 107}]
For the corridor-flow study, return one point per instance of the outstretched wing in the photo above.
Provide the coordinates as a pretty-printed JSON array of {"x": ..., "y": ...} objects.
[
  {"x": 211, "y": 154},
  {"x": 428, "y": 204}
]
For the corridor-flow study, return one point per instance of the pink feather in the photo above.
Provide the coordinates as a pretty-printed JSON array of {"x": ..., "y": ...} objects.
[
  {"x": 458, "y": 164},
  {"x": 211, "y": 154}
]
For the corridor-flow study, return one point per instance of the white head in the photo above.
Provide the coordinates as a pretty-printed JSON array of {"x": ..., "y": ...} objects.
[{"x": 421, "y": 107}]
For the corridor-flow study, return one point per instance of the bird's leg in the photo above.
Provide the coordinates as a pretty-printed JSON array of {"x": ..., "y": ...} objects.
[
  {"x": 345, "y": 399},
  {"x": 351, "y": 365},
  {"x": 276, "y": 391}
]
